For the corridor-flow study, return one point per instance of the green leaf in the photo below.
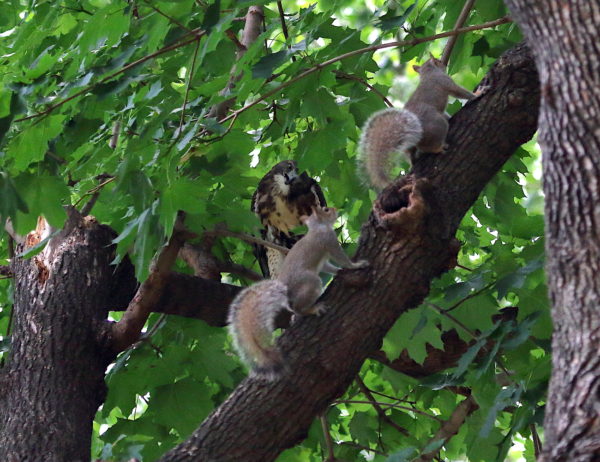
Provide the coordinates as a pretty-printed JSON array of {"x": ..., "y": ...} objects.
[
  {"x": 267, "y": 64},
  {"x": 390, "y": 21},
  {"x": 32, "y": 143},
  {"x": 182, "y": 405},
  {"x": 404, "y": 455}
]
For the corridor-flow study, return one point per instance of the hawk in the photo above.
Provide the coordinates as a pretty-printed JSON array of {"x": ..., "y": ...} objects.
[{"x": 281, "y": 198}]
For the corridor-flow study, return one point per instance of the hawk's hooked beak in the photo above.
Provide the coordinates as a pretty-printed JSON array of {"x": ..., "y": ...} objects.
[{"x": 290, "y": 176}]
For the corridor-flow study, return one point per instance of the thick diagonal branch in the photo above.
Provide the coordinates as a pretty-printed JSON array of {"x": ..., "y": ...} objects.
[{"x": 324, "y": 354}]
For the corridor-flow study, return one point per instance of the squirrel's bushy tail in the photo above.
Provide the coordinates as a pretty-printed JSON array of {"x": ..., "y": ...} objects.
[
  {"x": 386, "y": 132},
  {"x": 251, "y": 324}
]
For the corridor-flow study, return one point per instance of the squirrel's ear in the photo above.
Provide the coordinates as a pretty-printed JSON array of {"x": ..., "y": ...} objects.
[
  {"x": 303, "y": 219},
  {"x": 417, "y": 68}
]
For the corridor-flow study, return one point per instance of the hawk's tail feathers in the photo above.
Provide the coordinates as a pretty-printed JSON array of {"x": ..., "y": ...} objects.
[
  {"x": 251, "y": 324},
  {"x": 385, "y": 133}
]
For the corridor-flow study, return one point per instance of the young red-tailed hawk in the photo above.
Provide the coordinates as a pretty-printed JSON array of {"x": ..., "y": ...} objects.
[{"x": 281, "y": 198}]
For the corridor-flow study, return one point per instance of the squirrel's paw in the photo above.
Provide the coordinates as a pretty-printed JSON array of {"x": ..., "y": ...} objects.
[
  {"x": 317, "y": 310},
  {"x": 360, "y": 264},
  {"x": 482, "y": 90}
]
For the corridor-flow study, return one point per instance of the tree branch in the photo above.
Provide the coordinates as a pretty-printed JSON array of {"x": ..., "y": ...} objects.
[
  {"x": 450, "y": 427},
  {"x": 170, "y": 18},
  {"x": 252, "y": 30},
  {"x": 181, "y": 43},
  {"x": 343, "y": 75},
  {"x": 462, "y": 17},
  {"x": 368, "y": 49},
  {"x": 380, "y": 412},
  {"x": 221, "y": 231},
  {"x": 406, "y": 247},
  {"x": 327, "y": 436},
  {"x": 127, "y": 331},
  {"x": 187, "y": 89}
]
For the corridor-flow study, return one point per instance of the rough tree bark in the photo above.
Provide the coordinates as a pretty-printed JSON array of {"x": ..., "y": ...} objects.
[
  {"x": 62, "y": 342},
  {"x": 53, "y": 382},
  {"x": 408, "y": 241},
  {"x": 564, "y": 39},
  {"x": 55, "y": 374}
]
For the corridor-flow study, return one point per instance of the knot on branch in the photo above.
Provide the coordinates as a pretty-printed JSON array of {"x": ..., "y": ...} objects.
[{"x": 402, "y": 206}]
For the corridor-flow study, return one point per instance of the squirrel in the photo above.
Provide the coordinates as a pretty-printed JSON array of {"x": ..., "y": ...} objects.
[
  {"x": 296, "y": 289},
  {"x": 422, "y": 124}
]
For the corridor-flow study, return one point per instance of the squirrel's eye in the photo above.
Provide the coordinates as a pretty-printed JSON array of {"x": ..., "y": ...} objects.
[{"x": 326, "y": 209}]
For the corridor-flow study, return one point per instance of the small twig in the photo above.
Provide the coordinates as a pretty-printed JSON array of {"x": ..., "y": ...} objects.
[
  {"x": 114, "y": 138},
  {"x": 211, "y": 140},
  {"x": 366, "y": 84},
  {"x": 471, "y": 295},
  {"x": 181, "y": 43},
  {"x": 187, "y": 89},
  {"x": 148, "y": 335},
  {"x": 443, "y": 312},
  {"x": 231, "y": 36},
  {"x": 173, "y": 20},
  {"x": 380, "y": 412},
  {"x": 284, "y": 28},
  {"x": 537, "y": 442},
  {"x": 245, "y": 237},
  {"x": 94, "y": 190},
  {"x": 240, "y": 270},
  {"x": 462, "y": 17},
  {"x": 350, "y": 54},
  {"x": 389, "y": 405},
  {"x": 327, "y": 436},
  {"x": 155, "y": 327},
  {"x": 58, "y": 159},
  {"x": 399, "y": 400}
]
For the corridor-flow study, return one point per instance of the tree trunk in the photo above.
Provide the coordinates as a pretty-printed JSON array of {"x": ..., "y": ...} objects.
[
  {"x": 408, "y": 241},
  {"x": 564, "y": 38},
  {"x": 56, "y": 367}
]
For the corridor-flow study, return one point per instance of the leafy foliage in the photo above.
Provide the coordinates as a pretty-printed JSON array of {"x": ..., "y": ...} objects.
[{"x": 76, "y": 75}]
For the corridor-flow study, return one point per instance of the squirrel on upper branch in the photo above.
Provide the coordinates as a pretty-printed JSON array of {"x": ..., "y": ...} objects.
[
  {"x": 297, "y": 288},
  {"x": 422, "y": 124}
]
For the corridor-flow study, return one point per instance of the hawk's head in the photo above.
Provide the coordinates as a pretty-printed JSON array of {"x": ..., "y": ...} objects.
[{"x": 282, "y": 175}]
